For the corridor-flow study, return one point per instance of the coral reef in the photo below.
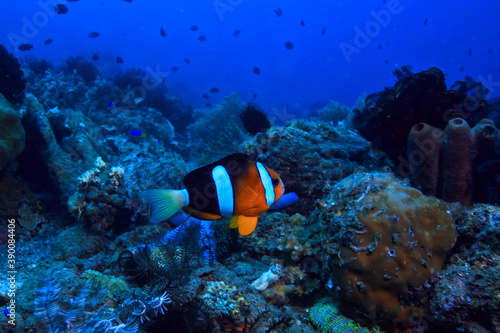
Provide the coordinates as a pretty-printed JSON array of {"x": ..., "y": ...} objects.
[
  {"x": 335, "y": 112},
  {"x": 443, "y": 163},
  {"x": 137, "y": 86},
  {"x": 58, "y": 89},
  {"x": 416, "y": 98},
  {"x": 100, "y": 197},
  {"x": 389, "y": 240},
  {"x": 12, "y": 83},
  {"x": 308, "y": 154},
  {"x": 466, "y": 296},
  {"x": 84, "y": 68},
  {"x": 12, "y": 136},
  {"x": 221, "y": 299},
  {"x": 210, "y": 123}
]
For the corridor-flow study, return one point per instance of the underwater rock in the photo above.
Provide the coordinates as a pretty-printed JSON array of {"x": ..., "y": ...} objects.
[{"x": 12, "y": 136}]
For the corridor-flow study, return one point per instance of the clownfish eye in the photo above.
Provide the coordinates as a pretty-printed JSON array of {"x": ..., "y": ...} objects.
[{"x": 276, "y": 181}]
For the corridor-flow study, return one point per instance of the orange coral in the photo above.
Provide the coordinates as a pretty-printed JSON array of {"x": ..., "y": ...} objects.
[{"x": 397, "y": 240}]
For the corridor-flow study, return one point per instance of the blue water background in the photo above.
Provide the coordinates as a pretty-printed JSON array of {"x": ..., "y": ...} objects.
[{"x": 457, "y": 33}]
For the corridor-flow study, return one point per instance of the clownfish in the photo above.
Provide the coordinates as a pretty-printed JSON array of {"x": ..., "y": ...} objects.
[{"x": 233, "y": 186}]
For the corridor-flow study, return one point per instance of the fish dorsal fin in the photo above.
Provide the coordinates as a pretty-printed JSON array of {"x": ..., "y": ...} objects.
[{"x": 247, "y": 224}]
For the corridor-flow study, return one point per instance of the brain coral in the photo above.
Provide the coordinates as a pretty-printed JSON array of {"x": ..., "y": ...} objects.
[{"x": 392, "y": 239}]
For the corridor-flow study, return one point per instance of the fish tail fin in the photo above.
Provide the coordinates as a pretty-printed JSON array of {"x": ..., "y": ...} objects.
[{"x": 165, "y": 203}]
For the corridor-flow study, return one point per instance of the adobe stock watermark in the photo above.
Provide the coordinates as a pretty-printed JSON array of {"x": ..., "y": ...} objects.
[
  {"x": 283, "y": 115},
  {"x": 372, "y": 29},
  {"x": 221, "y": 7},
  {"x": 31, "y": 27}
]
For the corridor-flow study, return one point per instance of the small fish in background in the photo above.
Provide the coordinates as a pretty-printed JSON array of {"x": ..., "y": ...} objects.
[
  {"x": 175, "y": 69},
  {"x": 387, "y": 43},
  {"x": 162, "y": 32},
  {"x": 193, "y": 28},
  {"x": 71, "y": 0},
  {"x": 490, "y": 51},
  {"x": 214, "y": 90},
  {"x": 187, "y": 60},
  {"x": 386, "y": 61},
  {"x": 61, "y": 9},
  {"x": 380, "y": 47},
  {"x": 323, "y": 32},
  {"x": 470, "y": 51},
  {"x": 239, "y": 188},
  {"x": 236, "y": 32},
  {"x": 278, "y": 12},
  {"x": 6, "y": 313},
  {"x": 289, "y": 45},
  {"x": 127, "y": 0},
  {"x": 205, "y": 96},
  {"x": 208, "y": 104},
  {"x": 256, "y": 70},
  {"x": 119, "y": 60},
  {"x": 94, "y": 34},
  {"x": 302, "y": 23},
  {"x": 25, "y": 47},
  {"x": 254, "y": 96},
  {"x": 202, "y": 38},
  {"x": 48, "y": 41},
  {"x": 95, "y": 57},
  {"x": 425, "y": 22},
  {"x": 138, "y": 133},
  {"x": 461, "y": 68}
]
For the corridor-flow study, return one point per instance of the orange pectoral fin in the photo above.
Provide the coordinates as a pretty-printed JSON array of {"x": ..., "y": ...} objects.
[{"x": 247, "y": 224}]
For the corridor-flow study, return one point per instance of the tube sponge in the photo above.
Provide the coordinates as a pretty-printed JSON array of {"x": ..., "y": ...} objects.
[
  {"x": 457, "y": 157},
  {"x": 424, "y": 148},
  {"x": 12, "y": 134}
]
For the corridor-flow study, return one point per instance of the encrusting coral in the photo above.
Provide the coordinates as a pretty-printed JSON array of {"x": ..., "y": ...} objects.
[{"x": 388, "y": 240}]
